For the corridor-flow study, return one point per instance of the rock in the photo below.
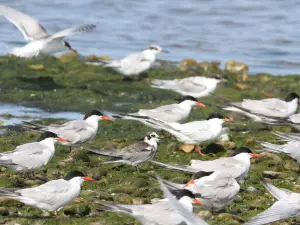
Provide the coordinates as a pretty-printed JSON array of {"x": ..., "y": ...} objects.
[
  {"x": 37, "y": 67},
  {"x": 251, "y": 189},
  {"x": 4, "y": 211},
  {"x": 228, "y": 218},
  {"x": 237, "y": 67},
  {"x": 171, "y": 146},
  {"x": 206, "y": 215},
  {"x": 81, "y": 210},
  {"x": 68, "y": 57},
  {"x": 298, "y": 181},
  {"x": 242, "y": 86},
  {"x": 228, "y": 144},
  {"x": 292, "y": 165},
  {"x": 272, "y": 174},
  {"x": 275, "y": 158},
  {"x": 213, "y": 148},
  {"x": 98, "y": 223},
  {"x": 95, "y": 58},
  {"x": 33, "y": 182},
  {"x": 209, "y": 66},
  {"x": 188, "y": 63},
  {"x": 187, "y": 148},
  {"x": 258, "y": 203},
  {"x": 138, "y": 201}
]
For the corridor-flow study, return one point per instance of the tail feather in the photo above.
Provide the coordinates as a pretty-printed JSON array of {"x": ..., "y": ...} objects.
[
  {"x": 278, "y": 193},
  {"x": 113, "y": 160},
  {"x": 32, "y": 126},
  {"x": 9, "y": 193},
  {"x": 109, "y": 152},
  {"x": 270, "y": 147},
  {"x": 176, "y": 167}
]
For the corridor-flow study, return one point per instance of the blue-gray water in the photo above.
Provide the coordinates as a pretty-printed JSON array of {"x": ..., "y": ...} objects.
[{"x": 263, "y": 34}]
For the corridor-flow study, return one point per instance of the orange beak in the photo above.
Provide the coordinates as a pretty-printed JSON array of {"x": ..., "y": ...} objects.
[
  {"x": 62, "y": 139},
  {"x": 197, "y": 202},
  {"x": 201, "y": 104},
  {"x": 88, "y": 179},
  {"x": 189, "y": 183},
  {"x": 255, "y": 155},
  {"x": 106, "y": 118},
  {"x": 227, "y": 120}
]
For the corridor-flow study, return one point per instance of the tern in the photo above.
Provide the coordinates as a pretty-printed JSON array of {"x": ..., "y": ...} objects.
[
  {"x": 158, "y": 213},
  {"x": 286, "y": 206},
  {"x": 214, "y": 189},
  {"x": 135, "y": 63},
  {"x": 52, "y": 196},
  {"x": 41, "y": 43},
  {"x": 76, "y": 131},
  {"x": 31, "y": 156},
  {"x": 268, "y": 109},
  {"x": 197, "y": 86},
  {"x": 237, "y": 165},
  {"x": 166, "y": 113},
  {"x": 134, "y": 154},
  {"x": 189, "y": 217},
  {"x": 195, "y": 132}
]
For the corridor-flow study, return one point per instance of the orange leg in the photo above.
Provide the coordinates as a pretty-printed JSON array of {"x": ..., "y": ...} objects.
[{"x": 199, "y": 150}]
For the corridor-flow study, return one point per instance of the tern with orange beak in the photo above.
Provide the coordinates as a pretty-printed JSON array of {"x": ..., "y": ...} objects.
[
  {"x": 53, "y": 195},
  {"x": 76, "y": 131},
  {"x": 41, "y": 43},
  {"x": 174, "y": 113},
  {"x": 158, "y": 213},
  {"x": 195, "y": 132},
  {"x": 31, "y": 156},
  {"x": 237, "y": 164}
]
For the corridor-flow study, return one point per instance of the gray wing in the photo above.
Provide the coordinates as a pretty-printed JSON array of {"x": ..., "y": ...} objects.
[
  {"x": 278, "y": 211},
  {"x": 30, "y": 27},
  {"x": 189, "y": 217},
  {"x": 48, "y": 193},
  {"x": 73, "y": 30},
  {"x": 192, "y": 84}
]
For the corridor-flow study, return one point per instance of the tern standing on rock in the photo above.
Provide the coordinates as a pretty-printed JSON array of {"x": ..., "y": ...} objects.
[
  {"x": 41, "y": 43},
  {"x": 53, "y": 195},
  {"x": 135, "y": 63}
]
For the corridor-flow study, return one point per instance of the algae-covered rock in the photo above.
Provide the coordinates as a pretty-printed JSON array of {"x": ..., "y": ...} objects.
[
  {"x": 292, "y": 165},
  {"x": 238, "y": 68},
  {"x": 37, "y": 67},
  {"x": 4, "y": 211},
  {"x": 206, "y": 215},
  {"x": 80, "y": 210},
  {"x": 272, "y": 174},
  {"x": 276, "y": 159}
]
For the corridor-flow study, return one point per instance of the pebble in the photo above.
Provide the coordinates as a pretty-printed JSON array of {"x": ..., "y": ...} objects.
[
  {"x": 206, "y": 215},
  {"x": 292, "y": 165},
  {"x": 251, "y": 189},
  {"x": 276, "y": 159},
  {"x": 271, "y": 174}
]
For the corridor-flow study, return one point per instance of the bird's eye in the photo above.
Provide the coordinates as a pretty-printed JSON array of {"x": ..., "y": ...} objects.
[{"x": 152, "y": 135}]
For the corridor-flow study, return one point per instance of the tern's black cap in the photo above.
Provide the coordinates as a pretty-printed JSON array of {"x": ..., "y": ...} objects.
[
  {"x": 200, "y": 174},
  {"x": 215, "y": 115},
  {"x": 74, "y": 173},
  {"x": 241, "y": 150},
  {"x": 47, "y": 134},
  {"x": 93, "y": 112},
  {"x": 183, "y": 193},
  {"x": 188, "y": 97},
  {"x": 291, "y": 96}
]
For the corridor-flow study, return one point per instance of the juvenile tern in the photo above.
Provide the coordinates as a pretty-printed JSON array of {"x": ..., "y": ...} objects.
[
  {"x": 214, "y": 189},
  {"x": 197, "y": 87},
  {"x": 41, "y": 43},
  {"x": 286, "y": 206},
  {"x": 52, "y": 196},
  {"x": 33, "y": 155},
  {"x": 159, "y": 213},
  {"x": 76, "y": 131},
  {"x": 196, "y": 132},
  {"x": 189, "y": 217},
  {"x": 237, "y": 165},
  {"x": 134, "y": 63},
  {"x": 133, "y": 154},
  {"x": 166, "y": 113},
  {"x": 270, "y": 108}
]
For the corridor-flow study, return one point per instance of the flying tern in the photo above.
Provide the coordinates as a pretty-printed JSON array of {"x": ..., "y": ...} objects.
[
  {"x": 133, "y": 154},
  {"x": 76, "y": 131},
  {"x": 197, "y": 86},
  {"x": 41, "y": 43},
  {"x": 52, "y": 196},
  {"x": 31, "y": 156},
  {"x": 134, "y": 63},
  {"x": 286, "y": 206},
  {"x": 237, "y": 165}
]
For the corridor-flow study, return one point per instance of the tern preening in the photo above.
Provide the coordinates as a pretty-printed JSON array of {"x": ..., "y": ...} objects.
[
  {"x": 134, "y": 154},
  {"x": 237, "y": 165},
  {"x": 268, "y": 109},
  {"x": 135, "y": 63},
  {"x": 195, "y": 86},
  {"x": 158, "y": 213},
  {"x": 286, "y": 206},
  {"x": 76, "y": 131},
  {"x": 41, "y": 43},
  {"x": 52, "y": 196},
  {"x": 31, "y": 156}
]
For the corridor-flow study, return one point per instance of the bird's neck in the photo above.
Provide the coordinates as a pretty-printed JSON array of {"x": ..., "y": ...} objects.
[
  {"x": 49, "y": 142},
  {"x": 186, "y": 202},
  {"x": 149, "y": 55},
  {"x": 93, "y": 121}
]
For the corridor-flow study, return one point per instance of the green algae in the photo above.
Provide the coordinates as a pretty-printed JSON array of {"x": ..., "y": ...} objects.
[{"x": 72, "y": 85}]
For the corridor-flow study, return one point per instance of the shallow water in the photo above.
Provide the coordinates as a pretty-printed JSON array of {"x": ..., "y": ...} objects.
[{"x": 263, "y": 34}]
